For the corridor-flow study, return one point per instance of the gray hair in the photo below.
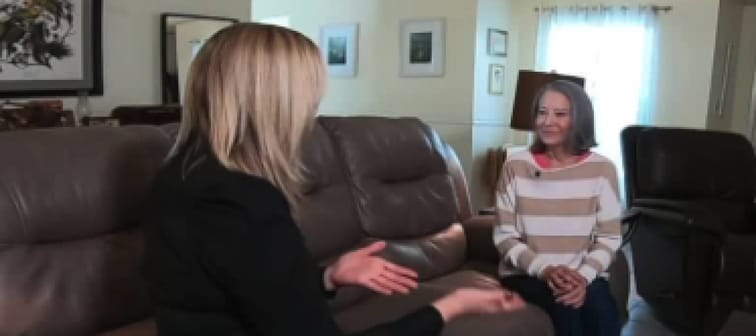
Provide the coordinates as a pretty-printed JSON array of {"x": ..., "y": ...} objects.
[{"x": 582, "y": 135}]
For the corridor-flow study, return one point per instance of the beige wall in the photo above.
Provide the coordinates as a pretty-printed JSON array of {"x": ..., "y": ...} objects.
[
  {"x": 491, "y": 113},
  {"x": 378, "y": 89},
  {"x": 686, "y": 49},
  {"x": 445, "y": 103},
  {"x": 458, "y": 104},
  {"x": 131, "y": 47},
  {"x": 491, "y": 14},
  {"x": 744, "y": 74}
]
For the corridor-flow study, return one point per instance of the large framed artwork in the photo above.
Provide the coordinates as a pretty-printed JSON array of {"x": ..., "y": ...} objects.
[{"x": 50, "y": 48}]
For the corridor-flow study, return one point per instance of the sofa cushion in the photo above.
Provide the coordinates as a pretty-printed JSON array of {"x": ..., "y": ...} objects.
[
  {"x": 326, "y": 213},
  {"x": 457, "y": 173},
  {"x": 142, "y": 328},
  {"x": 171, "y": 130},
  {"x": 380, "y": 309},
  {"x": 67, "y": 184},
  {"x": 402, "y": 190},
  {"x": 402, "y": 186},
  {"x": 430, "y": 256},
  {"x": 69, "y": 248}
]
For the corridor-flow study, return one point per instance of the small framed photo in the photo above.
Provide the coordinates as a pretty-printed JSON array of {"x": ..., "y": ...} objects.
[
  {"x": 423, "y": 44},
  {"x": 496, "y": 79},
  {"x": 338, "y": 43},
  {"x": 497, "y": 42}
]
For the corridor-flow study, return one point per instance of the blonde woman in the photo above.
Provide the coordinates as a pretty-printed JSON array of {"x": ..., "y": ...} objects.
[{"x": 223, "y": 255}]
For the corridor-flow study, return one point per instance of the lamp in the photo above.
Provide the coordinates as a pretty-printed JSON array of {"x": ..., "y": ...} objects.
[{"x": 528, "y": 85}]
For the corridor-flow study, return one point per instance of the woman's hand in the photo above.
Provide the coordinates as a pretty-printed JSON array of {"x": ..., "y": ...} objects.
[
  {"x": 569, "y": 286},
  {"x": 361, "y": 267},
  {"x": 477, "y": 301},
  {"x": 557, "y": 279},
  {"x": 561, "y": 279},
  {"x": 575, "y": 297}
]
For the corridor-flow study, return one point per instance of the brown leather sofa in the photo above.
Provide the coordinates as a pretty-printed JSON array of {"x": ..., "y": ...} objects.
[
  {"x": 147, "y": 114},
  {"x": 70, "y": 245}
]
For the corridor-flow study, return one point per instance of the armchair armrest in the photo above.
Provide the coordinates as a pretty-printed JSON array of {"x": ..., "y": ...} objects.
[
  {"x": 736, "y": 275},
  {"x": 479, "y": 233},
  {"x": 689, "y": 214}
]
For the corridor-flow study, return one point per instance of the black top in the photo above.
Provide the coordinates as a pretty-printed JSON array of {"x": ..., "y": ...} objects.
[{"x": 224, "y": 257}]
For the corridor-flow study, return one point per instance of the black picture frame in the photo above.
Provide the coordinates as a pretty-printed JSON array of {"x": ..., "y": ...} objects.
[
  {"x": 92, "y": 83},
  {"x": 165, "y": 81}
]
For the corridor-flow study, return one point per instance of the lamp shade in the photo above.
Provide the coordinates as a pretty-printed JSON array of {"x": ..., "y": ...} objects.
[{"x": 528, "y": 85}]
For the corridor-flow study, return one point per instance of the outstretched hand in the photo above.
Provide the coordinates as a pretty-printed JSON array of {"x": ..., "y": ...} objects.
[
  {"x": 465, "y": 301},
  {"x": 363, "y": 268}
]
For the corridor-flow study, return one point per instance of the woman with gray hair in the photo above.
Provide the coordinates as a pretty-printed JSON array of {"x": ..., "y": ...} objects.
[{"x": 558, "y": 217}]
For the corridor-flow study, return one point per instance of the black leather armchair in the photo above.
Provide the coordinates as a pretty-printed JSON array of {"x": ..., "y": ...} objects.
[{"x": 692, "y": 229}]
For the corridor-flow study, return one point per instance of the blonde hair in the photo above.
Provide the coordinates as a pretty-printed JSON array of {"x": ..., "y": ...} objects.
[{"x": 252, "y": 92}]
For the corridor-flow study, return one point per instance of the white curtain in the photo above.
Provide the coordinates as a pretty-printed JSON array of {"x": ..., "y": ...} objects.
[{"x": 614, "y": 48}]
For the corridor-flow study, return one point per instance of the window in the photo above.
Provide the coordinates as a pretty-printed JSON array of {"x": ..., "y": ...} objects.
[
  {"x": 614, "y": 49},
  {"x": 282, "y": 21}
]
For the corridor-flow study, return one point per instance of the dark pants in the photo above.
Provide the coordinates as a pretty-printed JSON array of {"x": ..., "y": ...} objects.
[{"x": 597, "y": 317}]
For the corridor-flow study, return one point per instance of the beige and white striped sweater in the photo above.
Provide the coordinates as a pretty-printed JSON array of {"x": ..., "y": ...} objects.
[{"x": 560, "y": 216}]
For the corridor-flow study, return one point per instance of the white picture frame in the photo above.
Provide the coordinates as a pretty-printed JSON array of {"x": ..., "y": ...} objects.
[
  {"x": 422, "y": 47},
  {"x": 496, "y": 79},
  {"x": 338, "y": 43},
  {"x": 497, "y": 42}
]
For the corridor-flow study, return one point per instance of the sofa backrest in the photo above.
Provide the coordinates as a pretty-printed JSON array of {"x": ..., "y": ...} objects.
[
  {"x": 70, "y": 250},
  {"x": 326, "y": 214},
  {"x": 69, "y": 247},
  {"x": 403, "y": 189}
]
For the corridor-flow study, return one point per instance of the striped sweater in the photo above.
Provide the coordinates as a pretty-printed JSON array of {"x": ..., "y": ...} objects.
[{"x": 557, "y": 216}]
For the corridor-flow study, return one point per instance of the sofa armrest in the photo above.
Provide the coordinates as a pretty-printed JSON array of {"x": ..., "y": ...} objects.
[
  {"x": 619, "y": 282},
  {"x": 142, "y": 328},
  {"x": 479, "y": 233}
]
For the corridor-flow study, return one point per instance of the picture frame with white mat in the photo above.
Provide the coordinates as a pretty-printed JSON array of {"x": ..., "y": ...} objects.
[
  {"x": 339, "y": 45},
  {"x": 422, "y": 47}
]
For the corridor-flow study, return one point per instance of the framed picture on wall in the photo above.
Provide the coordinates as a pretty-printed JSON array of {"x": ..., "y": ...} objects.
[
  {"x": 51, "y": 48},
  {"x": 496, "y": 79},
  {"x": 423, "y": 44},
  {"x": 497, "y": 42},
  {"x": 338, "y": 43}
]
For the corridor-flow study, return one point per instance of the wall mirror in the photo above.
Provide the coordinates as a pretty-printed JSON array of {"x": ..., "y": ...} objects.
[{"x": 182, "y": 36}]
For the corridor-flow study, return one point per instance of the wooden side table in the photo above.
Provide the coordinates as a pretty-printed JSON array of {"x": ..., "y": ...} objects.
[{"x": 20, "y": 118}]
